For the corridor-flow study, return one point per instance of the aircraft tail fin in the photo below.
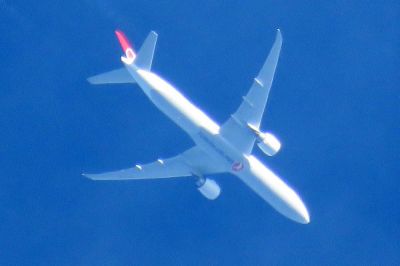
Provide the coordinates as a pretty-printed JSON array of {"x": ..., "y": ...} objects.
[{"x": 144, "y": 58}]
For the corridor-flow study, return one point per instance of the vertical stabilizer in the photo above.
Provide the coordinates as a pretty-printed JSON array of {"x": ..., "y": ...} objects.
[
  {"x": 144, "y": 58},
  {"x": 126, "y": 48}
]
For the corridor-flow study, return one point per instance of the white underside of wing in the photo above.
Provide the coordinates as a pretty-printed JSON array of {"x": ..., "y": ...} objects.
[
  {"x": 172, "y": 167},
  {"x": 191, "y": 162},
  {"x": 252, "y": 107}
]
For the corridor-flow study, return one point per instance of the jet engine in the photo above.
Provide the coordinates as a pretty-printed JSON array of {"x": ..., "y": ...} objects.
[
  {"x": 208, "y": 188},
  {"x": 268, "y": 143}
]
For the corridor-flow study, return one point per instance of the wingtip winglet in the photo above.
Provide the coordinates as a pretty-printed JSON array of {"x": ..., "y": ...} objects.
[
  {"x": 91, "y": 81},
  {"x": 278, "y": 34},
  {"x": 154, "y": 33},
  {"x": 86, "y": 176}
]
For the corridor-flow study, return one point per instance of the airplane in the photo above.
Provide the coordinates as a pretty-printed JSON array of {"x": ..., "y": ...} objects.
[{"x": 225, "y": 148}]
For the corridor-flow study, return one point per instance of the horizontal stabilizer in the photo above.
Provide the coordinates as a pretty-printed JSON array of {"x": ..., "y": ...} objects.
[{"x": 120, "y": 75}]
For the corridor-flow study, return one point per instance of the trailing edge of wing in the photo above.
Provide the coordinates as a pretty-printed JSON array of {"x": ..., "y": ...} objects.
[
  {"x": 173, "y": 167},
  {"x": 191, "y": 162},
  {"x": 252, "y": 108},
  {"x": 267, "y": 72}
]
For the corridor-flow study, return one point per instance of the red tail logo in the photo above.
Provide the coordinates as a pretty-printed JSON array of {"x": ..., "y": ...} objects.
[{"x": 126, "y": 48}]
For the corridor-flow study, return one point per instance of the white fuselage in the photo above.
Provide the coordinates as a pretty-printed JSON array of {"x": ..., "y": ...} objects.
[{"x": 205, "y": 133}]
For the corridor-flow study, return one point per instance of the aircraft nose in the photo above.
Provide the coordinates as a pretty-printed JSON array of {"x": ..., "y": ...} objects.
[
  {"x": 302, "y": 216},
  {"x": 296, "y": 209}
]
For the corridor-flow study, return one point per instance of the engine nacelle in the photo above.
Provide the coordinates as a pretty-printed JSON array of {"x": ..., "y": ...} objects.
[
  {"x": 209, "y": 188},
  {"x": 269, "y": 144}
]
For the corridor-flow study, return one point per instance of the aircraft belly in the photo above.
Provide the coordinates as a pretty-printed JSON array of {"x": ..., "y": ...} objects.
[
  {"x": 175, "y": 114},
  {"x": 273, "y": 190},
  {"x": 207, "y": 143},
  {"x": 171, "y": 102},
  {"x": 255, "y": 175},
  {"x": 218, "y": 149}
]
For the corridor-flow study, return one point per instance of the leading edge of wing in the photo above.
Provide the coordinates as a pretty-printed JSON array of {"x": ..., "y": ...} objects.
[
  {"x": 251, "y": 110},
  {"x": 172, "y": 167},
  {"x": 191, "y": 162}
]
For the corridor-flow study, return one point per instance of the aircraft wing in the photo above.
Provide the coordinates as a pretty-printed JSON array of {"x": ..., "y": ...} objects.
[
  {"x": 251, "y": 111},
  {"x": 191, "y": 162}
]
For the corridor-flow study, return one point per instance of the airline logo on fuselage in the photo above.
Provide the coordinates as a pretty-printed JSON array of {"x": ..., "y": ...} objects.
[
  {"x": 129, "y": 56},
  {"x": 237, "y": 166}
]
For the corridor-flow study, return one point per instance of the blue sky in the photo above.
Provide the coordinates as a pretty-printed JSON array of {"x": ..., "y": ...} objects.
[{"x": 334, "y": 105}]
